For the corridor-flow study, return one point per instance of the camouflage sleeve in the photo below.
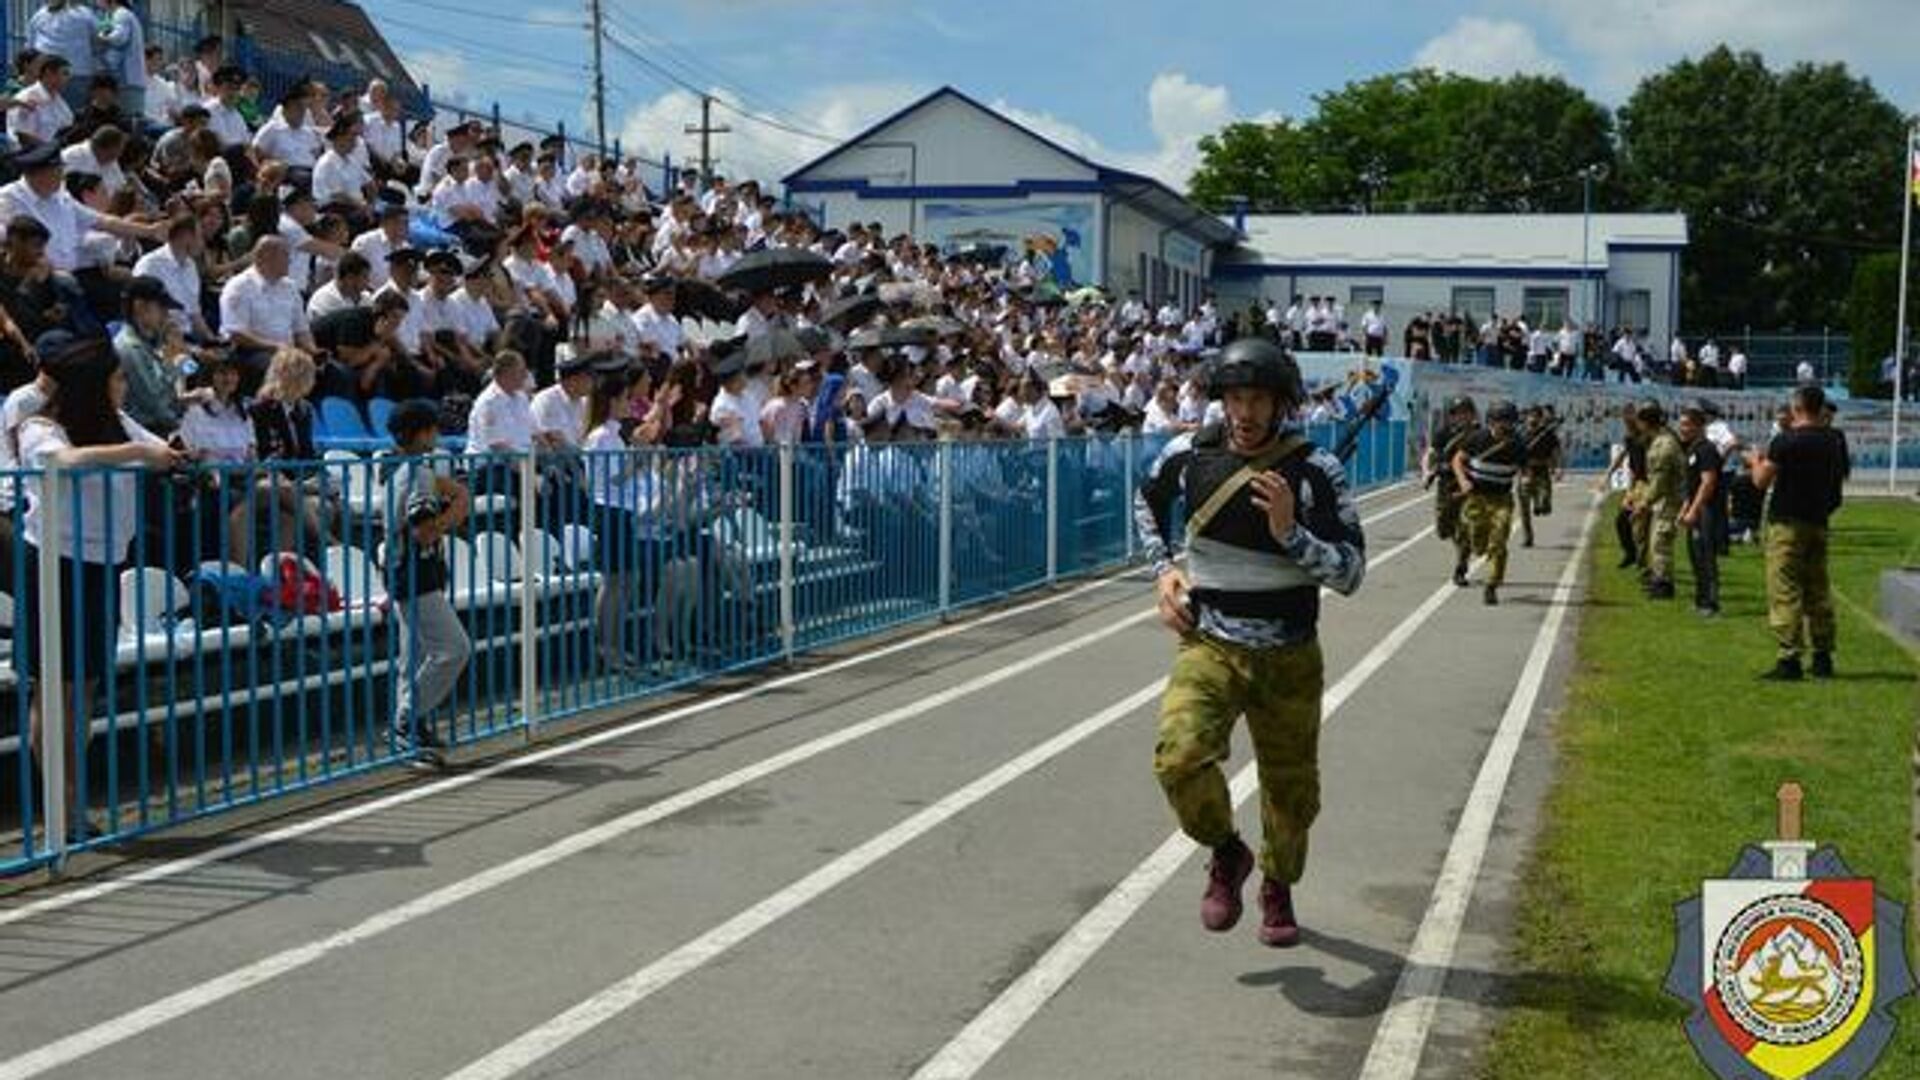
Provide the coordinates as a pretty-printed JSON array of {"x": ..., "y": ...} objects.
[
  {"x": 1153, "y": 503},
  {"x": 1327, "y": 541}
]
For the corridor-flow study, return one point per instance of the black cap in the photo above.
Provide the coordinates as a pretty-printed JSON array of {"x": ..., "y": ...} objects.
[
  {"x": 608, "y": 363},
  {"x": 577, "y": 363},
  {"x": 342, "y": 128},
  {"x": 229, "y": 75},
  {"x": 39, "y": 157},
  {"x": 481, "y": 267},
  {"x": 653, "y": 283},
  {"x": 520, "y": 148},
  {"x": 404, "y": 254},
  {"x": 151, "y": 289},
  {"x": 194, "y": 111},
  {"x": 443, "y": 260}
]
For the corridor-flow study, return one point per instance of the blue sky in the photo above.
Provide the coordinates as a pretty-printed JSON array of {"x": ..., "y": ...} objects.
[{"x": 1132, "y": 83}]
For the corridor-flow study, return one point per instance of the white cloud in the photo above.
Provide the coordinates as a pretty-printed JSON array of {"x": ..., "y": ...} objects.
[
  {"x": 1625, "y": 40},
  {"x": 754, "y": 149},
  {"x": 438, "y": 69},
  {"x": 1179, "y": 112},
  {"x": 1487, "y": 49}
]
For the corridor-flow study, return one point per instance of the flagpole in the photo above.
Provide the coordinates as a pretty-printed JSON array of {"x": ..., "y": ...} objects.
[{"x": 1909, "y": 191}]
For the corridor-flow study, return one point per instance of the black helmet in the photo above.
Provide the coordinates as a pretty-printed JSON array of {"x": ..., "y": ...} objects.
[
  {"x": 1460, "y": 403},
  {"x": 1259, "y": 364},
  {"x": 1503, "y": 412}
]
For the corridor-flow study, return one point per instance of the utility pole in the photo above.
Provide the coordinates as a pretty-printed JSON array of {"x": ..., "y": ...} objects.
[
  {"x": 595, "y": 27},
  {"x": 706, "y": 131}
]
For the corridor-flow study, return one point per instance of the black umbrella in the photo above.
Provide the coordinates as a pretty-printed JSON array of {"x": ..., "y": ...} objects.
[
  {"x": 703, "y": 300},
  {"x": 776, "y": 268},
  {"x": 773, "y": 346},
  {"x": 941, "y": 325},
  {"x": 980, "y": 254},
  {"x": 894, "y": 337},
  {"x": 849, "y": 313},
  {"x": 815, "y": 339}
]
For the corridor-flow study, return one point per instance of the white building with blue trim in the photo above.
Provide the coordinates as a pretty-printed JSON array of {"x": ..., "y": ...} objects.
[
  {"x": 1610, "y": 269},
  {"x": 954, "y": 172}
]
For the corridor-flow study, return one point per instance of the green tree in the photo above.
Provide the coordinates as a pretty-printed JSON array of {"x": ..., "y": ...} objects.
[
  {"x": 1872, "y": 312},
  {"x": 1416, "y": 140},
  {"x": 1783, "y": 178}
]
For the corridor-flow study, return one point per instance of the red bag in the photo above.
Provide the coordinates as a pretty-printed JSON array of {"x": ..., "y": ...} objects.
[{"x": 302, "y": 592}]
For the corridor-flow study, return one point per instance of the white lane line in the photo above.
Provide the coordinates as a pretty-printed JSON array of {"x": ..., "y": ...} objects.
[
  {"x": 88, "y": 893},
  {"x": 988, "y": 1032},
  {"x": 194, "y": 998},
  {"x": 127, "y": 1025},
  {"x": 1402, "y": 1035},
  {"x": 651, "y": 979},
  {"x": 613, "y": 1000},
  {"x": 544, "y": 1040},
  {"x": 225, "y": 852}
]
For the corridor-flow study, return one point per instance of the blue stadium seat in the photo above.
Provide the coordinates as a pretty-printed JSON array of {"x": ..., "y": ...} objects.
[
  {"x": 378, "y": 411},
  {"x": 338, "y": 425}
]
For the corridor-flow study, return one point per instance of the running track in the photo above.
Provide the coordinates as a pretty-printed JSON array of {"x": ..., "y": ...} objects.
[{"x": 941, "y": 855}]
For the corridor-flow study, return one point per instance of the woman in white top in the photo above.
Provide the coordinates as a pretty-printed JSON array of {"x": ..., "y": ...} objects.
[
  {"x": 630, "y": 541},
  {"x": 82, "y": 428},
  {"x": 217, "y": 429},
  {"x": 783, "y": 419}
]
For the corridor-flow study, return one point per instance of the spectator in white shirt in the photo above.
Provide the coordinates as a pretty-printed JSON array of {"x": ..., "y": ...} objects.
[
  {"x": 65, "y": 30},
  {"x": 297, "y": 218},
  {"x": 42, "y": 112},
  {"x": 560, "y": 411},
  {"x": 39, "y": 194},
  {"x": 223, "y": 117},
  {"x": 385, "y": 133},
  {"x": 261, "y": 312},
  {"x": 176, "y": 265},
  {"x": 502, "y": 422},
  {"x": 164, "y": 97},
  {"x": 124, "y": 54},
  {"x": 287, "y": 136},
  {"x": 351, "y": 287},
  {"x": 458, "y": 144},
  {"x": 99, "y": 156},
  {"x": 388, "y": 236},
  {"x": 519, "y": 176},
  {"x": 341, "y": 184}
]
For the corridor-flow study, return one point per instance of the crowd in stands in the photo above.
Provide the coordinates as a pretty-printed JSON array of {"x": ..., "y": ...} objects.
[{"x": 1321, "y": 324}]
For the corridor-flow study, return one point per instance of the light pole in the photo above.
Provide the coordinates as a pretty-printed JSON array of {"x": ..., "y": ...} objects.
[{"x": 1596, "y": 171}]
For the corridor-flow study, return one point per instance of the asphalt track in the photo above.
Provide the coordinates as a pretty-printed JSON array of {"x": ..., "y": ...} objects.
[{"x": 943, "y": 855}]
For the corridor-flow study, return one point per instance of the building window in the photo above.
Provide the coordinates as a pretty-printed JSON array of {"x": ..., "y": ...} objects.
[
  {"x": 1544, "y": 307},
  {"x": 1360, "y": 296},
  {"x": 1474, "y": 303},
  {"x": 1634, "y": 308}
]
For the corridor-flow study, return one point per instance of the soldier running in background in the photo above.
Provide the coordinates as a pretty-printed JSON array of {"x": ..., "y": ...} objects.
[
  {"x": 1271, "y": 523},
  {"x": 1543, "y": 467},
  {"x": 1462, "y": 421},
  {"x": 1487, "y": 467}
]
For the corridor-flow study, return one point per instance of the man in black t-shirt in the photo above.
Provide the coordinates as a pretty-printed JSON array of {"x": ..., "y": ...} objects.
[
  {"x": 1700, "y": 513},
  {"x": 1486, "y": 468},
  {"x": 1803, "y": 469}
]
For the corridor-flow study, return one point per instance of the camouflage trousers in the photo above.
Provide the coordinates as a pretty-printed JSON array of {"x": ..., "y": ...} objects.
[
  {"x": 1446, "y": 513},
  {"x": 1213, "y": 684},
  {"x": 1641, "y": 520},
  {"x": 1534, "y": 496},
  {"x": 1488, "y": 519},
  {"x": 1799, "y": 598},
  {"x": 1663, "y": 529}
]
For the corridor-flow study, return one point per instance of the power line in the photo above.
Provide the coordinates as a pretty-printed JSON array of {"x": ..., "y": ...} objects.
[
  {"x": 677, "y": 78},
  {"x": 485, "y": 48},
  {"x": 688, "y": 60},
  {"x": 488, "y": 16}
]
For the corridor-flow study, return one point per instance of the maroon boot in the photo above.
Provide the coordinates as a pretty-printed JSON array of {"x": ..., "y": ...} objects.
[
  {"x": 1278, "y": 929},
  {"x": 1231, "y": 866}
]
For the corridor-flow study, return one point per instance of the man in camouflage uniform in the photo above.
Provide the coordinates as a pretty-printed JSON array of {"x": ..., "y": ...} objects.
[
  {"x": 1270, "y": 521},
  {"x": 1462, "y": 421},
  {"x": 1665, "y": 494},
  {"x": 1535, "y": 496},
  {"x": 1486, "y": 466}
]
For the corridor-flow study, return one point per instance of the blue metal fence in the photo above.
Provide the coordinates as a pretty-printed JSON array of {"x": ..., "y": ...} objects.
[{"x": 252, "y": 639}]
